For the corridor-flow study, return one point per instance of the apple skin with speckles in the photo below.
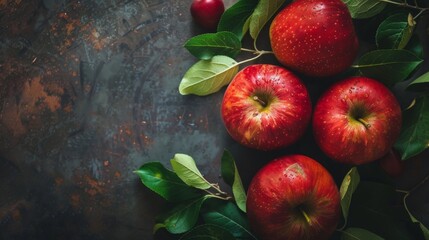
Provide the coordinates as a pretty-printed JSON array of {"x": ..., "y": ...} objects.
[
  {"x": 314, "y": 37},
  {"x": 356, "y": 121},
  {"x": 266, "y": 107},
  {"x": 293, "y": 197}
]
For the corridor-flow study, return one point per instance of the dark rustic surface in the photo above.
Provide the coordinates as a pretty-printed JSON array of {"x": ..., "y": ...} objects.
[{"x": 88, "y": 93}]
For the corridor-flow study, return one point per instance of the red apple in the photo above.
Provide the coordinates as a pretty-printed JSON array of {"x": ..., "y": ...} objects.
[
  {"x": 357, "y": 120},
  {"x": 314, "y": 37},
  {"x": 392, "y": 164},
  {"x": 207, "y": 13},
  {"x": 293, "y": 197},
  {"x": 266, "y": 107}
]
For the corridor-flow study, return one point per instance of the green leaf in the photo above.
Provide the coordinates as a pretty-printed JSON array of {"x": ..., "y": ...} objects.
[
  {"x": 165, "y": 182},
  {"x": 347, "y": 188},
  {"x": 364, "y": 8},
  {"x": 208, "y": 76},
  {"x": 359, "y": 234},
  {"x": 186, "y": 169},
  {"x": 262, "y": 14},
  {"x": 234, "y": 19},
  {"x": 395, "y": 32},
  {"x": 420, "y": 84},
  {"x": 374, "y": 208},
  {"x": 232, "y": 177},
  {"x": 228, "y": 216},
  {"x": 414, "y": 137},
  {"x": 206, "y": 46},
  {"x": 208, "y": 232},
  {"x": 388, "y": 65},
  {"x": 181, "y": 218}
]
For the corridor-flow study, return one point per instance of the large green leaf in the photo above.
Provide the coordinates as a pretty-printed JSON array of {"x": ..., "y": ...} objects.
[
  {"x": 207, "y": 232},
  {"x": 414, "y": 137},
  {"x": 388, "y": 65},
  {"x": 364, "y": 8},
  {"x": 374, "y": 208},
  {"x": 181, "y": 218},
  {"x": 208, "y": 76},
  {"x": 395, "y": 32},
  {"x": 420, "y": 84},
  {"x": 206, "y": 46},
  {"x": 359, "y": 234},
  {"x": 186, "y": 169},
  {"x": 262, "y": 14},
  {"x": 347, "y": 188},
  {"x": 228, "y": 216},
  {"x": 165, "y": 182},
  {"x": 231, "y": 176},
  {"x": 234, "y": 19}
]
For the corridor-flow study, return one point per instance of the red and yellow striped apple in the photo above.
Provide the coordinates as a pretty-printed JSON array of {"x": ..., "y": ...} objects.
[
  {"x": 266, "y": 107},
  {"x": 293, "y": 197},
  {"x": 357, "y": 120},
  {"x": 314, "y": 37}
]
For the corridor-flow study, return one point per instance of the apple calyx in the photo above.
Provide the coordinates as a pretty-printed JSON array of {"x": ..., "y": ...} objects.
[{"x": 358, "y": 113}]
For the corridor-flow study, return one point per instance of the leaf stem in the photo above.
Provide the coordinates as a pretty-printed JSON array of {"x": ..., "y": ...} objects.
[
  {"x": 420, "y": 13},
  {"x": 248, "y": 50},
  {"x": 254, "y": 45},
  {"x": 260, "y": 53}
]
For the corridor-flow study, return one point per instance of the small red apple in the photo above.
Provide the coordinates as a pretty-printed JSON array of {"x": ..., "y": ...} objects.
[
  {"x": 314, "y": 37},
  {"x": 357, "y": 120},
  {"x": 293, "y": 197},
  {"x": 266, "y": 107},
  {"x": 392, "y": 164},
  {"x": 207, "y": 13}
]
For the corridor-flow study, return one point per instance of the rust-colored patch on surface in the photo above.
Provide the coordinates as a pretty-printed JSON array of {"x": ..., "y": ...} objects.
[
  {"x": 94, "y": 187},
  {"x": 34, "y": 97}
]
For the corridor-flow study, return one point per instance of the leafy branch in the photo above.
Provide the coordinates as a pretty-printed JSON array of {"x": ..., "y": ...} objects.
[
  {"x": 188, "y": 190},
  {"x": 221, "y": 48}
]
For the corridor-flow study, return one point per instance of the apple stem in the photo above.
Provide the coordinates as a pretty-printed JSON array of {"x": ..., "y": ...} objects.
[
  {"x": 306, "y": 216},
  {"x": 365, "y": 123},
  {"x": 260, "y": 101}
]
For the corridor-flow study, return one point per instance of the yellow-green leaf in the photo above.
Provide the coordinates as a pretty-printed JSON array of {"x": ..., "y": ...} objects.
[
  {"x": 347, "y": 188},
  {"x": 186, "y": 169},
  {"x": 231, "y": 176},
  {"x": 208, "y": 76},
  {"x": 262, "y": 14}
]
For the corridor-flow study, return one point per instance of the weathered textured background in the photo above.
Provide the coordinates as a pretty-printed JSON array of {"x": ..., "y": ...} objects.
[{"x": 88, "y": 93}]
